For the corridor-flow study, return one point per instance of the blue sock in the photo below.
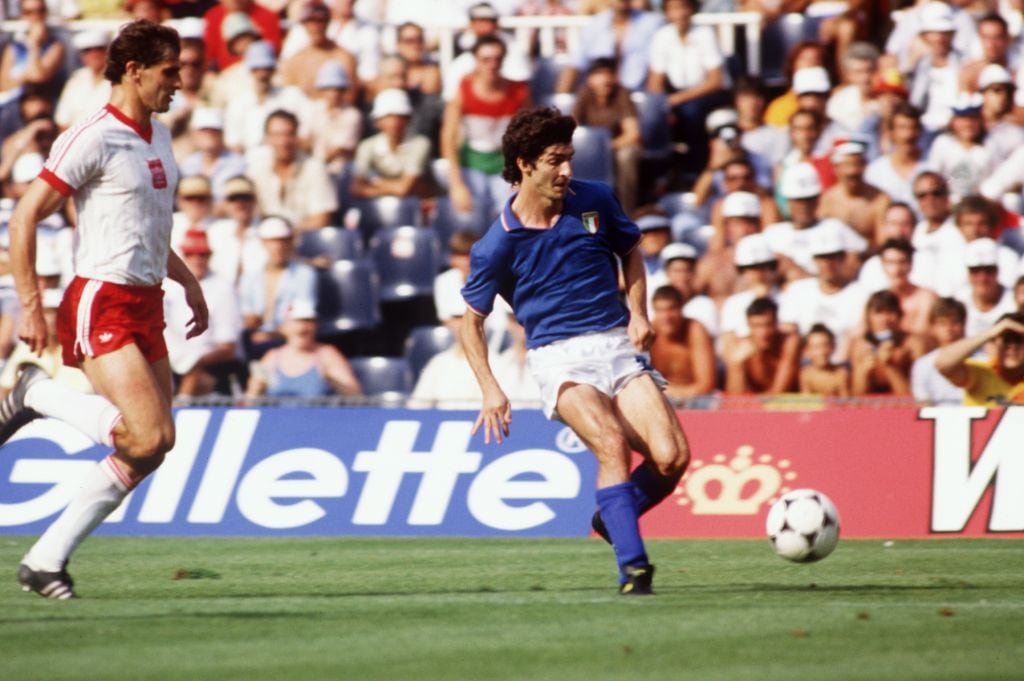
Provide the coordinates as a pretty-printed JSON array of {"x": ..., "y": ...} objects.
[
  {"x": 649, "y": 488},
  {"x": 618, "y": 510}
]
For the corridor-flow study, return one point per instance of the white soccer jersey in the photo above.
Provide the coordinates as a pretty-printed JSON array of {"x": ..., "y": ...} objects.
[{"x": 123, "y": 181}]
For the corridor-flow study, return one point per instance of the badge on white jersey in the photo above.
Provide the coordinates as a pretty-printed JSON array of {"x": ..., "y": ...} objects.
[
  {"x": 590, "y": 221},
  {"x": 156, "y": 169}
]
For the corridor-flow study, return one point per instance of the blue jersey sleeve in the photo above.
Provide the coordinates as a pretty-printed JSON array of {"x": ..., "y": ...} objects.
[
  {"x": 489, "y": 272},
  {"x": 623, "y": 234}
]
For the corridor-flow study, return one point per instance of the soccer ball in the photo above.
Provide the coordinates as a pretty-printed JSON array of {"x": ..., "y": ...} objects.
[{"x": 803, "y": 526}]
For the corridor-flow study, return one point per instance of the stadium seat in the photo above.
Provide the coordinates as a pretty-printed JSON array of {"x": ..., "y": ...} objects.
[
  {"x": 423, "y": 343},
  {"x": 384, "y": 377},
  {"x": 386, "y": 211},
  {"x": 334, "y": 243},
  {"x": 593, "y": 158},
  {"x": 348, "y": 297},
  {"x": 545, "y": 76},
  {"x": 407, "y": 260},
  {"x": 652, "y": 112},
  {"x": 565, "y": 102}
]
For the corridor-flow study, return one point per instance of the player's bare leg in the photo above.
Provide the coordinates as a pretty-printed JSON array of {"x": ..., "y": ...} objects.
[
  {"x": 593, "y": 417},
  {"x": 140, "y": 392}
]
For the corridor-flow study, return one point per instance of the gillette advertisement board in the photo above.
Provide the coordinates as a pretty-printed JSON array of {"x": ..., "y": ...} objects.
[{"x": 391, "y": 472}]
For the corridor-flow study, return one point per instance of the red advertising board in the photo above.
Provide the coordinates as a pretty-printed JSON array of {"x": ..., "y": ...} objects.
[{"x": 902, "y": 472}]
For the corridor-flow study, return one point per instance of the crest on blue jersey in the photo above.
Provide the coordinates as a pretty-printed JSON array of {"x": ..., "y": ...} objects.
[{"x": 590, "y": 221}]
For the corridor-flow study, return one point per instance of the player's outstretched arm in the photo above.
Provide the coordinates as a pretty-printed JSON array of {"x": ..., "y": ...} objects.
[
  {"x": 179, "y": 272},
  {"x": 39, "y": 201},
  {"x": 635, "y": 276},
  {"x": 496, "y": 412}
]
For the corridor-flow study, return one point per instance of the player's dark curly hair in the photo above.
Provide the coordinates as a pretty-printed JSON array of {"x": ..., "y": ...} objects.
[
  {"x": 143, "y": 42},
  {"x": 530, "y": 132}
]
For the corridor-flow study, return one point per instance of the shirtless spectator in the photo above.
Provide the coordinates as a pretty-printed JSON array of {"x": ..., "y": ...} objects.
[
  {"x": 822, "y": 376},
  {"x": 682, "y": 349},
  {"x": 897, "y": 260},
  {"x": 766, "y": 361},
  {"x": 301, "y": 69},
  {"x": 995, "y": 40},
  {"x": 679, "y": 270},
  {"x": 758, "y": 270},
  {"x": 882, "y": 357},
  {"x": 716, "y": 271},
  {"x": 423, "y": 75},
  {"x": 851, "y": 199}
]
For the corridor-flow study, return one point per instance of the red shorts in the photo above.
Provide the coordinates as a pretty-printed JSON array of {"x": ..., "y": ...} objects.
[{"x": 97, "y": 317}]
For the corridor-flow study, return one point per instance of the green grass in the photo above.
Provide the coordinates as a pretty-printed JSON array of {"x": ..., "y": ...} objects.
[{"x": 453, "y": 609}]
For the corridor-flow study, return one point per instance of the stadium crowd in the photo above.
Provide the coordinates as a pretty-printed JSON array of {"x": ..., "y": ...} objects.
[{"x": 826, "y": 227}]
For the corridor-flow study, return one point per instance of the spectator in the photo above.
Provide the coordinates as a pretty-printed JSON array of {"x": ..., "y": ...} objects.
[
  {"x": 428, "y": 109},
  {"x": 236, "y": 245},
  {"x": 992, "y": 382},
  {"x": 756, "y": 136},
  {"x": 246, "y": 115},
  {"x": 805, "y": 129},
  {"x": 803, "y": 55},
  {"x": 448, "y": 286},
  {"x": 620, "y": 32},
  {"x": 266, "y": 295},
  {"x": 239, "y": 33},
  {"x": 211, "y": 159},
  {"x": 302, "y": 367},
  {"x": 851, "y": 103},
  {"x": 603, "y": 102},
  {"x": 730, "y": 170},
  {"x": 447, "y": 381},
  {"x": 36, "y": 137},
  {"x": 905, "y": 45},
  {"x": 935, "y": 77},
  {"x": 895, "y": 171},
  {"x": 946, "y": 322},
  {"x": 656, "y": 231},
  {"x": 977, "y": 218},
  {"x": 995, "y": 40},
  {"x": 195, "y": 208},
  {"x": 34, "y": 57},
  {"x": 766, "y": 361},
  {"x": 679, "y": 270},
  {"x": 474, "y": 122},
  {"x": 300, "y": 70},
  {"x": 882, "y": 357},
  {"x": 896, "y": 257},
  {"x": 959, "y": 155},
  {"x": 203, "y": 364},
  {"x": 851, "y": 200},
  {"x": 682, "y": 350},
  {"x": 826, "y": 298},
  {"x": 813, "y": 87},
  {"x": 821, "y": 375},
  {"x": 197, "y": 91},
  {"x": 265, "y": 20},
  {"x": 984, "y": 297},
  {"x": 50, "y": 359},
  {"x": 339, "y": 123},
  {"x": 86, "y": 90},
  {"x": 357, "y": 36},
  {"x": 685, "y": 62},
  {"x": 392, "y": 162},
  {"x": 1003, "y": 134},
  {"x": 716, "y": 271},
  {"x": 483, "y": 23},
  {"x": 758, "y": 270},
  {"x": 890, "y": 94},
  {"x": 423, "y": 75},
  {"x": 935, "y": 234},
  {"x": 289, "y": 182}
]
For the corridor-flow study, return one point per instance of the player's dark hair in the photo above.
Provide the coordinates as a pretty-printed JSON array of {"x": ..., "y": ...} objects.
[
  {"x": 821, "y": 328},
  {"x": 490, "y": 39},
  {"x": 762, "y": 306},
  {"x": 901, "y": 245},
  {"x": 143, "y": 42},
  {"x": 977, "y": 205},
  {"x": 949, "y": 308},
  {"x": 668, "y": 293},
  {"x": 530, "y": 132},
  {"x": 282, "y": 114},
  {"x": 884, "y": 301}
]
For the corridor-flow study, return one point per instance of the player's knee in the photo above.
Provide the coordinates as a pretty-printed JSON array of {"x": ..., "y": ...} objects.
[
  {"x": 148, "y": 448},
  {"x": 672, "y": 458}
]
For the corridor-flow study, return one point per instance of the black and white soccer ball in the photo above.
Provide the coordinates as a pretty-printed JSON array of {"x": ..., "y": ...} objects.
[{"x": 803, "y": 526}]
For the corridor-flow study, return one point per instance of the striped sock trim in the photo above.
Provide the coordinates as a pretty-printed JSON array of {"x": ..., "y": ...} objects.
[{"x": 118, "y": 475}]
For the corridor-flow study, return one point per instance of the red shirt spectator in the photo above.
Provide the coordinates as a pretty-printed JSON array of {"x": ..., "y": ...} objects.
[{"x": 267, "y": 22}]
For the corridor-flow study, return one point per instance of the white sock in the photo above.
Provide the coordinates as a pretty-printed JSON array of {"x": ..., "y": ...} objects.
[
  {"x": 94, "y": 415},
  {"x": 102, "y": 491}
]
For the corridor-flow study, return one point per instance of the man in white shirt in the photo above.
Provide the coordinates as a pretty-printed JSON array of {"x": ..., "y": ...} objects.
[
  {"x": 86, "y": 90},
  {"x": 984, "y": 297},
  {"x": 758, "y": 270}
]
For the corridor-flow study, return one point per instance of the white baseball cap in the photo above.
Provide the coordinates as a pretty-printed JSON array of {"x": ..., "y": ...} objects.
[
  {"x": 825, "y": 239},
  {"x": 994, "y": 74},
  {"x": 391, "y": 102},
  {"x": 753, "y": 249},
  {"x": 937, "y": 16},
  {"x": 981, "y": 253},
  {"x": 207, "y": 118},
  {"x": 301, "y": 309},
  {"x": 677, "y": 251},
  {"x": 741, "y": 205},
  {"x": 811, "y": 80},
  {"x": 654, "y": 221},
  {"x": 800, "y": 181},
  {"x": 721, "y": 118},
  {"x": 89, "y": 39},
  {"x": 260, "y": 55},
  {"x": 191, "y": 28},
  {"x": 842, "y": 148},
  {"x": 275, "y": 227}
]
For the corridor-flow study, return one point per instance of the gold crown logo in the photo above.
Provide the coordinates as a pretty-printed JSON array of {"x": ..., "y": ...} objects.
[{"x": 734, "y": 487}]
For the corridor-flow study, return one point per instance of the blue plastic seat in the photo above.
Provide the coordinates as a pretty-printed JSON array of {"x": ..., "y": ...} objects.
[
  {"x": 593, "y": 157},
  {"x": 348, "y": 297},
  {"x": 387, "y": 377},
  {"x": 423, "y": 343},
  {"x": 334, "y": 243},
  {"x": 407, "y": 259}
]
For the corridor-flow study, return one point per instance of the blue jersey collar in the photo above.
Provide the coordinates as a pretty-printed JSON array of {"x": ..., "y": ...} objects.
[{"x": 510, "y": 223}]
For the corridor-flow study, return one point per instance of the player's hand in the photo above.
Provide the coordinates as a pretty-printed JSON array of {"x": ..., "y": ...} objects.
[
  {"x": 462, "y": 199},
  {"x": 495, "y": 417},
  {"x": 640, "y": 332},
  {"x": 200, "y": 315},
  {"x": 32, "y": 330}
]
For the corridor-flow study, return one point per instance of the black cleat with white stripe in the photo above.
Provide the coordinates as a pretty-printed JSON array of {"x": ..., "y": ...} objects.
[
  {"x": 56, "y": 585},
  {"x": 13, "y": 412}
]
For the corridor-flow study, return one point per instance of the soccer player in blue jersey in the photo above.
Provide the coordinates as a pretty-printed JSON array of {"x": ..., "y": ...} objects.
[{"x": 554, "y": 255}]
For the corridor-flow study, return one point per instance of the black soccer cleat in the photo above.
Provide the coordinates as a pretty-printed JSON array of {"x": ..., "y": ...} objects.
[
  {"x": 638, "y": 581},
  {"x": 598, "y": 524},
  {"x": 56, "y": 585},
  {"x": 13, "y": 412}
]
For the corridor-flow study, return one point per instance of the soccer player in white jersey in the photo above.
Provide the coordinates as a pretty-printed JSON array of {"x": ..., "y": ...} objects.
[
  {"x": 554, "y": 254},
  {"x": 117, "y": 167}
]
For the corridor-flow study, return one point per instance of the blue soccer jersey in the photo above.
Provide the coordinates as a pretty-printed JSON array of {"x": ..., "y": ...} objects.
[{"x": 561, "y": 281}]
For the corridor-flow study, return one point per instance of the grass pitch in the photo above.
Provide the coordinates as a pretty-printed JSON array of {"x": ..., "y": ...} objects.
[{"x": 453, "y": 609}]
